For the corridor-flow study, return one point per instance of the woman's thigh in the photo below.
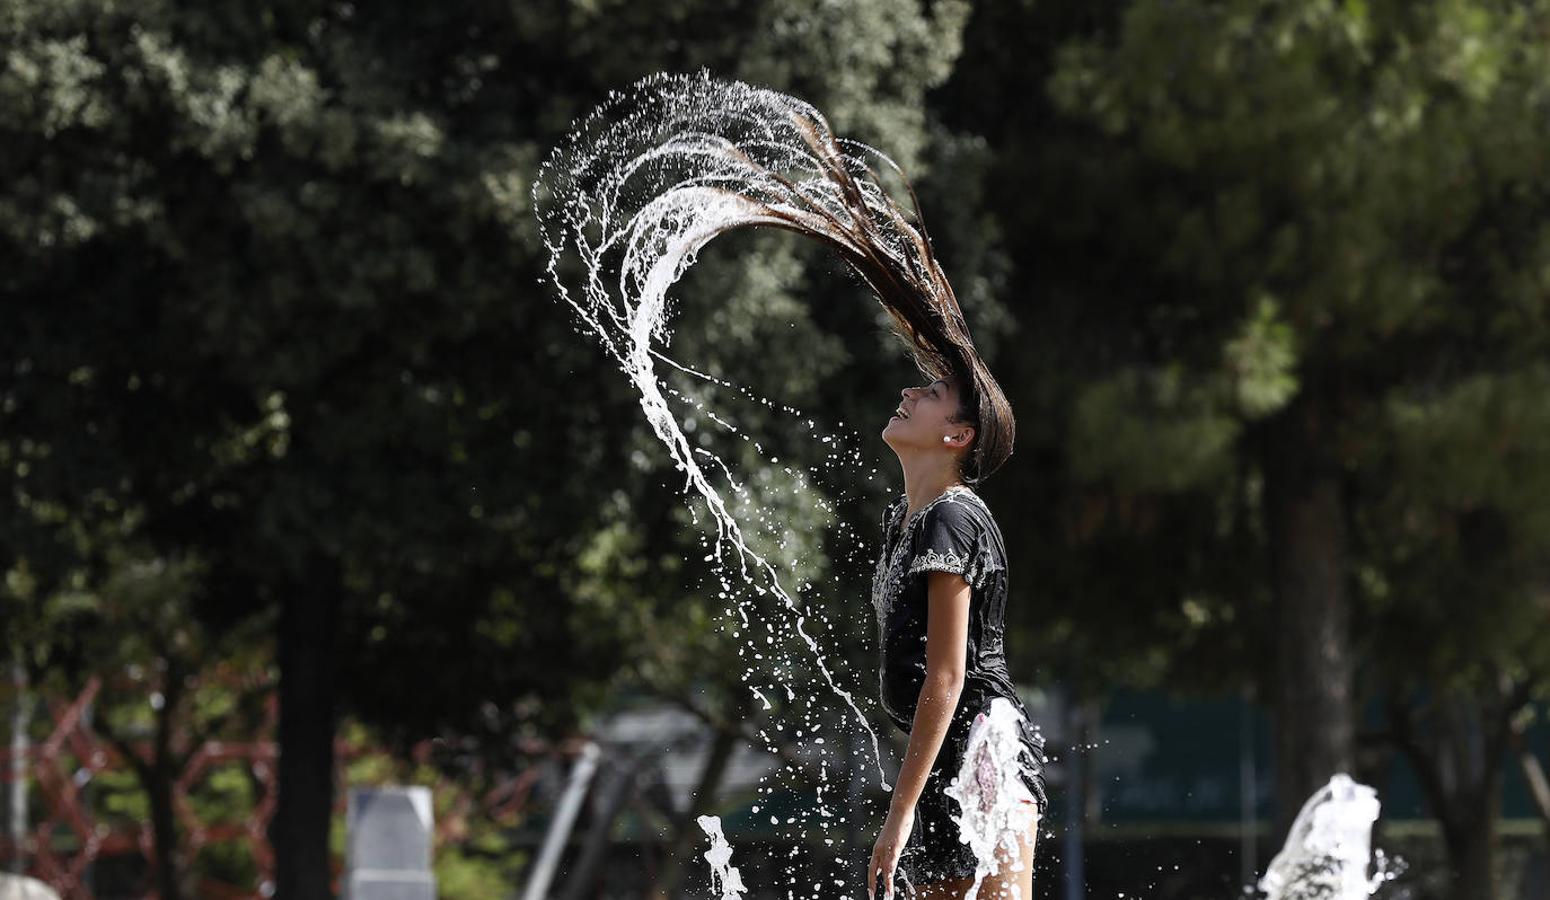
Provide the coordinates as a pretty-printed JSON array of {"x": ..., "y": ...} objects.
[{"x": 1009, "y": 883}]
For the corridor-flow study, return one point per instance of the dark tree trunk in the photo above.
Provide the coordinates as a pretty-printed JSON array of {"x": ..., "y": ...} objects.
[
  {"x": 309, "y": 621},
  {"x": 1457, "y": 746},
  {"x": 1471, "y": 840},
  {"x": 164, "y": 830},
  {"x": 157, "y": 772},
  {"x": 160, "y": 777},
  {"x": 1474, "y": 875},
  {"x": 1314, "y": 671}
]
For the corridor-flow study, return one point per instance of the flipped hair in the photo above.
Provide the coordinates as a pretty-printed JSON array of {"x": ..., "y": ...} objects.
[{"x": 847, "y": 209}]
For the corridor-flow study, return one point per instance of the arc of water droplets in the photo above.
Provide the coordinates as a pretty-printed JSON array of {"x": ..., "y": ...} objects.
[{"x": 644, "y": 183}]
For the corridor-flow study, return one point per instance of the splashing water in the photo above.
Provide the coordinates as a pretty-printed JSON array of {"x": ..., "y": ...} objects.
[
  {"x": 1328, "y": 851},
  {"x": 624, "y": 205},
  {"x": 724, "y": 876},
  {"x": 991, "y": 794},
  {"x": 650, "y": 177}
]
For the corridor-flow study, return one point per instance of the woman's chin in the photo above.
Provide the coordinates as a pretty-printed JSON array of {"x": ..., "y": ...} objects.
[{"x": 892, "y": 434}]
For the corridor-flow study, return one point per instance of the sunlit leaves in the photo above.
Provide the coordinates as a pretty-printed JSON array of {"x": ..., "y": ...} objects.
[{"x": 1262, "y": 362}]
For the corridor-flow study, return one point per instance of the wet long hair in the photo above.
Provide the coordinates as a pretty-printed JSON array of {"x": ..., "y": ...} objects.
[
  {"x": 908, "y": 281},
  {"x": 658, "y": 171}
]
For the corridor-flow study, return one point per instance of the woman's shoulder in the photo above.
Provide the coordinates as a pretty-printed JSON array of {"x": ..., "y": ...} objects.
[
  {"x": 967, "y": 498},
  {"x": 956, "y": 534},
  {"x": 959, "y": 505},
  {"x": 958, "y": 516}
]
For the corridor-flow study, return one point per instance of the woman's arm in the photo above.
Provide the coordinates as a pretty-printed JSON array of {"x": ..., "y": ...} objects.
[
  {"x": 947, "y": 645},
  {"x": 947, "y": 641}
]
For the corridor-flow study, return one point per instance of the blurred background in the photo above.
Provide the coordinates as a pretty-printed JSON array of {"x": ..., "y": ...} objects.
[{"x": 310, "y": 485}]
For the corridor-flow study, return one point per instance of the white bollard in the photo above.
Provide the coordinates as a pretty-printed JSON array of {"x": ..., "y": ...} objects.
[
  {"x": 20, "y": 887},
  {"x": 388, "y": 849}
]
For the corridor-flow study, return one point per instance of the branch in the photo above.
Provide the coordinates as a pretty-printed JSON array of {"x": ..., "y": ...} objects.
[
  {"x": 1514, "y": 696},
  {"x": 1539, "y": 785},
  {"x": 1533, "y": 773}
]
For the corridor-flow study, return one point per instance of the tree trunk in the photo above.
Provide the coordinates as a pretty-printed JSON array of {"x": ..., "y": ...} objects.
[
  {"x": 1474, "y": 859},
  {"x": 299, "y": 833},
  {"x": 160, "y": 777},
  {"x": 157, "y": 774},
  {"x": 614, "y": 789},
  {"x": 1458, "y": 750},
  {"x": 1314, "y": 672},
  {"x": 1472, "y": 844},
  {"x": 164, "y": 829}
]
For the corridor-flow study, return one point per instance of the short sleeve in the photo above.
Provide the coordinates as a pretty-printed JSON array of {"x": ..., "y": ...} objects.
[{"x": 949, "y": 541}]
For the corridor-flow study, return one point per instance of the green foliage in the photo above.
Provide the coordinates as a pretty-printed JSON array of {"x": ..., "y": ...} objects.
[
  {"x": 1459, "y": 531},
  {"x": 1217, "y": 209},
  {"x": 1262, "y": 363},
  {"x": 1150, "y": 431}
]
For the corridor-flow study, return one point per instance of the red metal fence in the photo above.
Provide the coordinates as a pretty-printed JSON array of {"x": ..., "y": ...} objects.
[
  {"x": 71, "y": 832},
  {"x": 70, "y": 835}
]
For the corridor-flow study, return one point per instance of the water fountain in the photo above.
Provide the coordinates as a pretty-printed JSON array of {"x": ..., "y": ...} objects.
[
  {"x": 1328, "y": 852},
  {"x": 1327, "y": 856}
]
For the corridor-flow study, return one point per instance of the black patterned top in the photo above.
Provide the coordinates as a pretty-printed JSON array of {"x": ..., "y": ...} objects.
[{"x": 953, "y": 533}]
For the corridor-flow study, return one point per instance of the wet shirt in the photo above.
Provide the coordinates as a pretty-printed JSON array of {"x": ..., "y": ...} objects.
[{"x": 953, "y": 533}]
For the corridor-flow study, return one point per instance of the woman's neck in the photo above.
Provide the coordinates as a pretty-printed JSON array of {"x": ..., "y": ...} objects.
[{"x": 922, "y": 484}]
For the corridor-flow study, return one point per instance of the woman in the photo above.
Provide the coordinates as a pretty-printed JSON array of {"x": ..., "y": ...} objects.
[
  {"x": 645, "y": 182},
  {"x": 940, "y": 595}
]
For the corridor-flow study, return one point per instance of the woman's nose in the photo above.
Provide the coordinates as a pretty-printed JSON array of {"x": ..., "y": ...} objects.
[{"x": 905, "y": 393}]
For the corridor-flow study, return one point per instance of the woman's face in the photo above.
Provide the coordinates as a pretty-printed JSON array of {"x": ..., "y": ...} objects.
[{"x": 924, "y": 418}]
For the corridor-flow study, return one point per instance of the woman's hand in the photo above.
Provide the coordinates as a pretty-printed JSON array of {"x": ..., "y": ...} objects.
[{"x": 886, "y": 852}]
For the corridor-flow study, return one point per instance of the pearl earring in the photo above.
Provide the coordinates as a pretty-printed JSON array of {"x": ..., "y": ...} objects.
[{"x": 947, "y": 439}]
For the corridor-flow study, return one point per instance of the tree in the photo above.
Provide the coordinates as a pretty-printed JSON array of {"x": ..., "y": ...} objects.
[
  {"x": 289, "y": 354},
  {"x": 1251, "y": 229},
  {"x": 163, "y": 695},
  {"x": 267, "y": 299},
  {"x": 1135, "y": 518},
  {"x": 1453, "y": 536}
]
